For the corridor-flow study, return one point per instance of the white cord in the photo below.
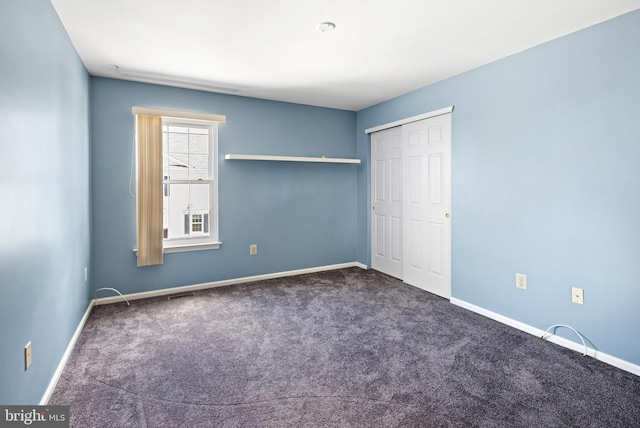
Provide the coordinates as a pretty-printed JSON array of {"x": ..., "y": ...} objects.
[
  {"x": 544, "y": 336},
  {"x": 112, "y": 289}
]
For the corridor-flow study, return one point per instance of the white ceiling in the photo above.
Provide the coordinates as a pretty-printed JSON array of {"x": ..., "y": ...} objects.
[{"x": 272, "y": 49}]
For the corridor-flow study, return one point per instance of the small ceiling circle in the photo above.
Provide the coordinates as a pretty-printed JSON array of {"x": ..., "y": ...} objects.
[{"x": 325, "y": 27}]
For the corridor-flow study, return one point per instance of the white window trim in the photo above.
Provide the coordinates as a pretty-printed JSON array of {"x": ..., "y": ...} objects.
[
  {"x": 193, "y": 244},
  {"x": 200, "y": 243},
  {"x": 183, "y": 248},
  {"x": 179, "y": 115}
]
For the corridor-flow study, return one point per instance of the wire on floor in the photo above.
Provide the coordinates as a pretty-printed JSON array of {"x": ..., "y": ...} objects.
[
  {"x": 544, "y": 336},
  {"x": 111, "y": 289}
]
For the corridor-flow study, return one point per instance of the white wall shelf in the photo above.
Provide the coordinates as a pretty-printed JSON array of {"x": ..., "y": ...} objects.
[{"x": 291, "y": 158}]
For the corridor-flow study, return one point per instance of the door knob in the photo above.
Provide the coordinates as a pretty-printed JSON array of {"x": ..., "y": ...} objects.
[
  {"x": 447, "y": 215},
  {"x": 373, "y": 207}
]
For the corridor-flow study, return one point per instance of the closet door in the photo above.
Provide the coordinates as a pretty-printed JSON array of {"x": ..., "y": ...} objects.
[
  {"x": 426, "y": 183},
  {"x": 386, "y": 198}
]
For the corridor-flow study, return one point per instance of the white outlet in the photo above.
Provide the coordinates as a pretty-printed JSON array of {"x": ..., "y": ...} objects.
[
  {"x": 521, "y": 281},
  {"x": 27, "y": 356},
  {"x": 253, "y": 249},
  {"x": 577, "y": 295}
]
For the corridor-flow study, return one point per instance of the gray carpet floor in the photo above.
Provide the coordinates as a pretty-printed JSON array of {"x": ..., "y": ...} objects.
[{"x": 344, "y": 348}]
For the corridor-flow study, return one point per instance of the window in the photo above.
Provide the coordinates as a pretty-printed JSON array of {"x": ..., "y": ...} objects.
[
  {"x": 196, "y": 222},
  {"x": 177, "y": 198},
  {"x": 188, "y": 170}
]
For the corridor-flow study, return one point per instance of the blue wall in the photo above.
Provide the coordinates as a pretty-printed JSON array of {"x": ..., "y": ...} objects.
[
  {"x": 44, "y": 186},
  {"x": 545, "y": 181},
  {"x": 300, "y": 215}
]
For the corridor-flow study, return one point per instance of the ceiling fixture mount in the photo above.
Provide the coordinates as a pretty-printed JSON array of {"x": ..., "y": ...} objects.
[{"x": 326, "y": 26}]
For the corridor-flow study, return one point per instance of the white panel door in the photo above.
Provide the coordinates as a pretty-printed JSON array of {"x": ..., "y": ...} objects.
[
  {"x": 426, "y": 180},
  {"x": 386, "y": 199}
]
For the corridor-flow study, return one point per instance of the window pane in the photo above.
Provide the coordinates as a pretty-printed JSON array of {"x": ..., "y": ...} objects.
[
  {"x": 200, "y": 130},
  {"x": 196, "y": 222},
  {"x": 200, "y": 196},
  {"x": 178, "y": 143},
  {"x": 179, "y": 129},
  {"x": 199, "y": 143},
  {"x": 176, "y": 173},
  {"x": 176, "y": 225},
  {"x": 199, "y": 175},
  {"x": 178, "y": 198},
  {"x": 198, "y": 161}
]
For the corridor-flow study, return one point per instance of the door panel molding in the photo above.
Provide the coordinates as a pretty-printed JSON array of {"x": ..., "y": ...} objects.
[{"x": 414, "y": 242}]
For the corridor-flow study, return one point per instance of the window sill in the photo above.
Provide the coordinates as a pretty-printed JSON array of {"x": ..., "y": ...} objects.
[
  {"x": 187, "y": 247},
  {"x": 190, "y": 247}
]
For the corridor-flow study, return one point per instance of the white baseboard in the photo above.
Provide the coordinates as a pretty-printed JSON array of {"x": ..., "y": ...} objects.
[
  {"x": 223, "y": 283},
  {"x": 606, "y": 358},
  {"x": 65, "y": 357}
]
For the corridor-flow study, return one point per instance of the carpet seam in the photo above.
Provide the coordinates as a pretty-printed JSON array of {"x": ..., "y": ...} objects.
[{"x": 249, "y": 403}]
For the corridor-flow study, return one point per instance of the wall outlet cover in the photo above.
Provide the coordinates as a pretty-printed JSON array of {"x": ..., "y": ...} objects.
[
  {"x": 577, "y": 295},
  {"x": 27, "y": 356},
  {"x": 521, "y": 281}
]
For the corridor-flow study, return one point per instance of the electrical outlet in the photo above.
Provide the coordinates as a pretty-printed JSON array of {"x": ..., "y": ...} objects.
[
  {"x": 577, "y": 295},
  {"x": 27, "y": 356},
  {"x": 86, "y": 273},
  {"x": 521, "y": 281},
  {"x": 253, "y": 249}
]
